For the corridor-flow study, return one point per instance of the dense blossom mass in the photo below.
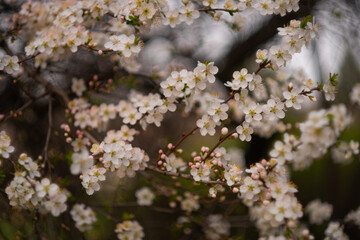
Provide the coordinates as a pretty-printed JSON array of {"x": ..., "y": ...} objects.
[{"x": 254, "y": 105}]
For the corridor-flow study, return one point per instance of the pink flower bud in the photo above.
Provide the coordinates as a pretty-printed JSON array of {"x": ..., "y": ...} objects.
[
  {"x": 263, "y": 162},
  {"x": 254, "y": 176}
]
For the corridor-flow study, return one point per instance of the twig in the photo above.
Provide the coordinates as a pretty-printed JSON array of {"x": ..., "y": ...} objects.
[
  {"x": 184, "y": 136},
  {"x": 22, "y": 108},
  {"x": 216, "y": 145},
  {"x": 48, "y": 135},
  {"x": 186, "y": 176},
  {"x": 28, "y": 58}
]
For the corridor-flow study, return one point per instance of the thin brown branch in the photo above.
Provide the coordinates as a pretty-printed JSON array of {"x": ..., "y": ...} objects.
[
  {"x": 185, "y": 176},
  {"x": 184, "y": 136},
  {"x": 23, "y": 107},
  {"x": 48, "y": 135},
  {"x": 28, "y": 58},
  {"x": 218, "y": 144},
  {"x": 206, "y": 10}
]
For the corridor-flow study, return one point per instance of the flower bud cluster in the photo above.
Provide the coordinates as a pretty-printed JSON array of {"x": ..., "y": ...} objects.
[{"x": 270, "y": 196}]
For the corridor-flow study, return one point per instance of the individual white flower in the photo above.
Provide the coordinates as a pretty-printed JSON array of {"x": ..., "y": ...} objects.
[
  {"x": 144, "y": 196},
  {"x": 78, "y": 86},
  {"x": 261, "y": 56},
  {"x": 81, "y": 162},
  {"x": 329, "y": 90},
  {"x": 80, "y": 144},
  {"x": 241, "y": 79},
  {"x": 293, "y": 98},
  {"x": 206, "y": 125},
  {"x": 188, "y": 13},
  {"x": 244, "y": 131},
  {"x": 282, "y": 152},
  {"x": 56, "y": 203},
  {"x": 107, "y": 112},
  {"x": 5, "y": 148},
  {"x": 46, "y": 187},
  {"x": 279, "y": 56},
  {"x": 274, "y": 109},
  {"x": 201, "y": 172},
  {"x": 355, "y": 94},
  {"x": 9, "y": 64},
  {"x": 172, "y": 18},
  {"x": 249, "y": 189},
  {"x": 264, "y": 7},
  {"x": 147, "y": 11},
  {"x": 252, "y": 112},
  {"x": 217, "y": 111},
  {"x": 190, "y": 203},
  {"x": 208, "y": 69},
  {"x": 174, "y": 163}
]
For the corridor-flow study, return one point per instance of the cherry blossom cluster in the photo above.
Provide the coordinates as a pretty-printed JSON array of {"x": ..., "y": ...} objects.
[
  {"x": 318, "y": 211},
  {"x": 124, "y": 45},
  {"x": 217, "y": 165},
  {"x": 265, "y": 7},
  {"x": 318, "y": 133},
  {"x": 90, "y": 179},
  {"x": 216, "y": 227},
  {"x": 129, "y": 230},
  {"x": 118, "y": 155},
  {"x": 28, "y": 193},
  {"x": 354, "y": 216},
  {"x": 270, "y": 196},
  {"x": 335, "y": 231},
  {"x": 343, "y": 152},
  {"x": 257, "y": 105},
  {"x": 28, "y": 190},
  {"x": 83, "y": 216}
]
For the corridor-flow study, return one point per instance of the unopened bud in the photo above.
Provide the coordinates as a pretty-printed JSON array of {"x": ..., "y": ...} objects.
[{"x": 224, "y": 131}]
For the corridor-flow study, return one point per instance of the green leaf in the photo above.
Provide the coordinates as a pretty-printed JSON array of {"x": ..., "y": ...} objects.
[{"x": 306, "y": 19}]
